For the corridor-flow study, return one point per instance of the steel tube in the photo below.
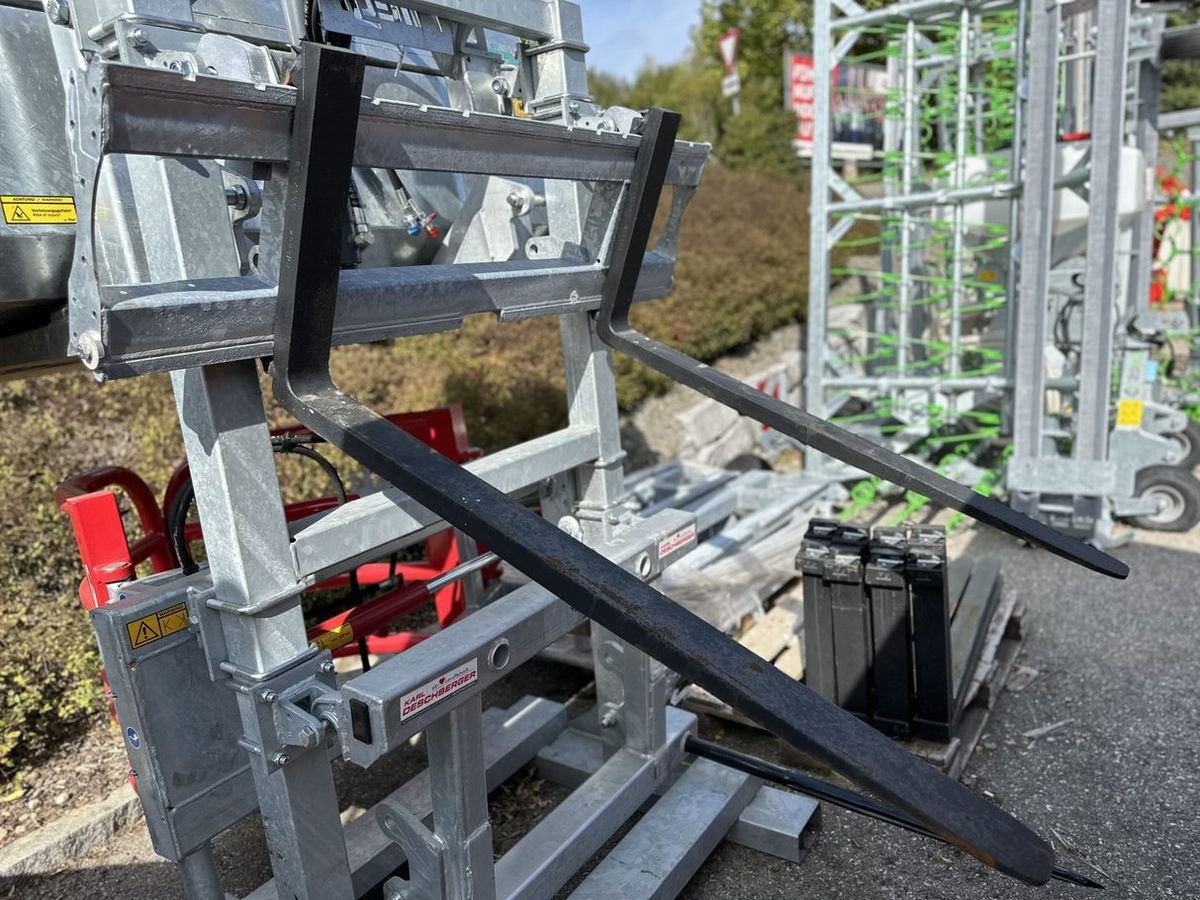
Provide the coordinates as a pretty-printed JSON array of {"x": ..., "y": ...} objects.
[
  {"x": 924, "y": 10},
  {"x": 960, "y": 177},
  {"x": 968, "y": 383},
  {"x": 908, "y": 160},
  {"x": 927, "y": 198},
  {"x": 1014, "y": 210}
]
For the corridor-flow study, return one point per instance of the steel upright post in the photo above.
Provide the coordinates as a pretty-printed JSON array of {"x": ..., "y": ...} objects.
[
  {"x": 1037, "y": 231},
  {"x": 457, "y": 776},
  {"x": 816, "y": 321},
  {"x": 1149, "y": 90},
  {"x": 1100, "y": 281},
  {"x": 233, "y": 469}
]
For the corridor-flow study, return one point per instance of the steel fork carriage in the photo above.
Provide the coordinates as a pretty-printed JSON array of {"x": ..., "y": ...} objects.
[{"x": 262, "y": 716}]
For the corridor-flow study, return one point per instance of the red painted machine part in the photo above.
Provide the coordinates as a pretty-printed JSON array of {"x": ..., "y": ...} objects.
[{"x": 97, "y": 535}]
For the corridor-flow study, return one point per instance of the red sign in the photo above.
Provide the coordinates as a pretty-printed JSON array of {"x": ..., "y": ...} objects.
[
  {"x": 802, "y": 94},
  {"x": 728, "y": 45}
]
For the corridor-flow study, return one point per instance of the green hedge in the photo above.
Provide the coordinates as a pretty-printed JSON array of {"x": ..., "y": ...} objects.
[{"x": 742, "y": 272}]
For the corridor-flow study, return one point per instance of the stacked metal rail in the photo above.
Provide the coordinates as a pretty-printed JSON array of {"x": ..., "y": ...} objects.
[{"x": 1010, "y": 237}]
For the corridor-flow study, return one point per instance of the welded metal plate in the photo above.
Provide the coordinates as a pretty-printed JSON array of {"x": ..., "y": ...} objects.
[{"x": 180, "y": 728}]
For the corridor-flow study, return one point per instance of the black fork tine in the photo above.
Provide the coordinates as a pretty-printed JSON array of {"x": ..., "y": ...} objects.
[{"x": 629, "y": 247}]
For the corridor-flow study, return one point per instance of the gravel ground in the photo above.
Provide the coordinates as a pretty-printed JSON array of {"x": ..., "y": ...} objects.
[
  {"x": 1113, "y": 789},
  {"x": 1118, "y": 784},
  {"x": 81, "y": 772}
]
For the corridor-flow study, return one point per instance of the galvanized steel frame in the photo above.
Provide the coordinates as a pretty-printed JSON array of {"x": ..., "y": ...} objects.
[
  {"x": 249, "y": 619},
  {"x": 837, "y": 26}
]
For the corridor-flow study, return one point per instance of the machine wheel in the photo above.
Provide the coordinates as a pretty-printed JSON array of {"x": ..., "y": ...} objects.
[
  {"x": 1189, "y": 442},
  {"x": 1177, "y": 494}
]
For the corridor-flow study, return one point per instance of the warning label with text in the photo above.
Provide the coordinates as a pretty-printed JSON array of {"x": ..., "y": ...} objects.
[
  {"x": 157, "y": 626},
  {"x": 38, "y": 210},
  {"x": 1129, "y": 413},
  {"x": 438, "y": 689},
  {"x": 676, "y": 541}
]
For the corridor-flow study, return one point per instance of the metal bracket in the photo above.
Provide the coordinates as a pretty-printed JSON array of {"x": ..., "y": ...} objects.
[
  {"x": 284, "y": 706},
  {"x": 425, "y": 851},
  {"x": 296, "y": 721},
  {"x": 207, "y": 622}
]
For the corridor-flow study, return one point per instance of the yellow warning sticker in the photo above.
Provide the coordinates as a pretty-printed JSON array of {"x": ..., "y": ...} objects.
[
  {"x": 1129, "y": 413},
  {"x": 336, "y": 637},
  {"x": 38, "y": 210},
  {"x": 161, "y": 624}
]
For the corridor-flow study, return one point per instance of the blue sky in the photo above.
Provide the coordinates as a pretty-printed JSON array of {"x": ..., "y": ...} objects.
[{"x": 623, "y": 33}]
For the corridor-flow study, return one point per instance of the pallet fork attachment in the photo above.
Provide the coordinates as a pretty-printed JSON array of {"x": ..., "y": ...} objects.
[{"x": 323, "y": 141}]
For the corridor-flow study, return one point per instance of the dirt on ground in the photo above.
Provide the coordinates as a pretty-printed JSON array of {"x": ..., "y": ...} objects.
[{"x": 80, "y": 772}]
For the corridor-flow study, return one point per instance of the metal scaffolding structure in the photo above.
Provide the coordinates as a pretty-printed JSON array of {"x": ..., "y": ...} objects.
[{"x": 1004, "y": 253}]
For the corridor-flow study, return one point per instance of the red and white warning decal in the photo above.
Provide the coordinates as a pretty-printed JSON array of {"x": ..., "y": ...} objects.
[
  {"x": 439, "y": 689},
  {"x": 679, "y": 539}
]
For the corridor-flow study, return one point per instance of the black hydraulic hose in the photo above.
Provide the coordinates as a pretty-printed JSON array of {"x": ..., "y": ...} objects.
[
  {"x": 177, "y": 519},
  {"x": 831, "y": 793},
  {"x": 177, "y": 527}
]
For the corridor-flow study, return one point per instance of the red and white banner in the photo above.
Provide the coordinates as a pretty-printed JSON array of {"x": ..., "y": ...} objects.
[
  {"x": 858, "y": 97},
  {"x": 802, "y": 77}
]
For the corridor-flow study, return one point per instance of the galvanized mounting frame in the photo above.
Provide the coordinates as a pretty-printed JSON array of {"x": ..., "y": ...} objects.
[
  {"x": 246, "y": 653},
  {"x": 147, "y": 91}
]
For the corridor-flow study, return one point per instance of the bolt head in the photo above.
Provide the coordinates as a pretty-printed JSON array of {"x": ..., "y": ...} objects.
[
  {"x": 266, "y": 695},
  {"x": 91, "y": 349},
  {"x": 280, "y": 759},
  {"x": 327, "y": 667},
  {"x": 309, "y": 736},
  {"x": 139, "y": 37},
  {"x": 571, "y": 526},
  {"x": 608, "y": 720},
  {"x": 499, "y": 86},
  {"x": 58, "y": 12}
]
